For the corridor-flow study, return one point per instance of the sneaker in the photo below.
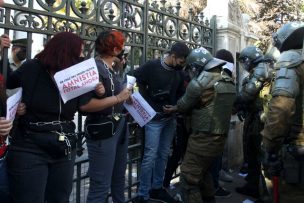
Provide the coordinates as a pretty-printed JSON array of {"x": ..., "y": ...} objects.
[
  {"x": 224, "y": 176},
  {"x": 161, "y": 195},
  {"x": 248, "y": 190},
  {"x": 141, "y": 199},
  {"x": 222, "y": 193}
]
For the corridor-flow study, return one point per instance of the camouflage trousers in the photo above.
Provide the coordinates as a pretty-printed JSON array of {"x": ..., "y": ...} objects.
[{"x": 196, "y": 180}]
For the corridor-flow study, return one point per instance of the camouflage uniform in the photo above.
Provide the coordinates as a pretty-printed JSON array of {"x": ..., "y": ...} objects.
[
  {"x": 209, "y": 97},
  {"x": 283, "y": 134}
]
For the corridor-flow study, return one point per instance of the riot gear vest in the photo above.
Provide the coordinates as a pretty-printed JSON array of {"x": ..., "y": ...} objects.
[
  {"x": 213, "y": 112},
  {"x": 256, "y": 87},
  {"x": 289, "y": 83}
]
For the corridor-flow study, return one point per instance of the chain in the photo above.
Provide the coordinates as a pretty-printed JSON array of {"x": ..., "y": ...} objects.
[{"x": 112, "y": 82}]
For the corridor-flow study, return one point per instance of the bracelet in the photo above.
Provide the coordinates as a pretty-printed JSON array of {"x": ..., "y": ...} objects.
[{"x": 117, "y": 99}]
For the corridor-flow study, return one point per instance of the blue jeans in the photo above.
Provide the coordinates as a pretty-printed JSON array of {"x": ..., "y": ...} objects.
[
  {"x": 4, "y": 191},
  {"x": 158, "y": 138},
  {"x": 108, "y": 162}
]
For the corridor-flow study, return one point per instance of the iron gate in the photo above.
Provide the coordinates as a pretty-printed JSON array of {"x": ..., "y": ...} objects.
[{"x": 150, "y": 28}]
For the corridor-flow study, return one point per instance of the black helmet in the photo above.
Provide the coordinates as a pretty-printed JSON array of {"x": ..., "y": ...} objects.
[
  {"x": 289, "y": 36},
  {"x": 272, "y": 55},
  {"x": 250, "y": 57},
  {"x": 202, "y": 59}
]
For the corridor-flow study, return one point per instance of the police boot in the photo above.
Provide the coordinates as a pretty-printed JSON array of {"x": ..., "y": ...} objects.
[{"x": 248, "y": 190}]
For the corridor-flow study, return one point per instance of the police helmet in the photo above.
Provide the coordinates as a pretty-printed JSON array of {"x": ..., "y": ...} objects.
[
  {"x": 250, "y": 57},
  {"x": 272, "y": 55},
  {"x": 202, "y": 59},
  {"x": 289, "y": 36}
]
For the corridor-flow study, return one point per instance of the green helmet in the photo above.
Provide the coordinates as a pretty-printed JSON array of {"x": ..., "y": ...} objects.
[
  {"x": 202, "y": 59},
  {"x": 289, "y": 36},
  {"x": 272, "y": 55},
  {"x": 250, "y": 57}
]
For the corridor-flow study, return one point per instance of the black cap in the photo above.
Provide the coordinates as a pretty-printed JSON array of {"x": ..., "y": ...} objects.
[{"x": 20, "y": 42}]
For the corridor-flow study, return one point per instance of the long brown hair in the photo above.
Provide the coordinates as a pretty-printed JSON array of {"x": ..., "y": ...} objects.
[{"x": 62, "y": 51}]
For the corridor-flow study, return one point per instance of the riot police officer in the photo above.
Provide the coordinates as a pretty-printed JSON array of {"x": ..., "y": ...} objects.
[
  {"x": 255, "y": 88},
  {"x": 283, "y": 134},
  {"x": 209, "y": 99}
]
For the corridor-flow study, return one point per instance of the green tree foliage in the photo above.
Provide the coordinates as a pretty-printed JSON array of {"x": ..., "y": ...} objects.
[{"x": 272, "y": 14}]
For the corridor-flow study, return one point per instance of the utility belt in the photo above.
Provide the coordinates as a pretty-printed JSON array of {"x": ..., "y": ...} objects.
[
  {"x": 99, "y": 127},
  {"x": 56, "y": 144}
]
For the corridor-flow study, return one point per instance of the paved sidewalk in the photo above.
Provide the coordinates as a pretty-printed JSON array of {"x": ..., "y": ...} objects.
[{"x": 235, "y": 198}]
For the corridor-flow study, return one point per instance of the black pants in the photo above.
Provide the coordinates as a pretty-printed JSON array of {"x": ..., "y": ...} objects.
[
  {"x": 252, "y": 143},
  {"x": 179, "y": 147},
  {"x": 36, "y": 177}
]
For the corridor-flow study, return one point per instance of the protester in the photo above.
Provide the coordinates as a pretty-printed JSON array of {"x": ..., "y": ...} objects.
[
  {"x": 180, "y": 140},
  {"x": 42, "y": 153},
  {"x": 107, "y": 137},
  {"x": 160, "y": 82},
  {"x": 209, "y": 98}
]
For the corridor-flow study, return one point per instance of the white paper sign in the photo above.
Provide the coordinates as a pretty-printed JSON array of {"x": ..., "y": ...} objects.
[
  {"x": 229, "y": 66},
  {"x": 140, "y": 110},
  {"x": 77, "y": 80},
  {"x": 130, "y": 81},
  {"x": 12, "y": 104}
]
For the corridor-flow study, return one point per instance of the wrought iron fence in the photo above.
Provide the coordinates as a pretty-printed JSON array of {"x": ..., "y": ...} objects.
[{"x": 150, "y": 28}]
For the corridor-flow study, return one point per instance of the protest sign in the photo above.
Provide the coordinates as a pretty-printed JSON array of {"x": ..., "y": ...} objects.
[
  {"x": 77, "y": 80},
  {"x": 130, "y": 81},
  {"x": 12, "y": 104},
  {"x": 140, "y": 110}
]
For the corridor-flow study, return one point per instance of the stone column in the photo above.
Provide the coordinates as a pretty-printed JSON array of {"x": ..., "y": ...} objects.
[{"x": 232, "y": 34}]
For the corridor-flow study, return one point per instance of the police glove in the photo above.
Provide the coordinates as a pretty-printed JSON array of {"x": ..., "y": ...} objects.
[
  {"x": 241, "y": 115},
  {"x": 272, "y": 164}
]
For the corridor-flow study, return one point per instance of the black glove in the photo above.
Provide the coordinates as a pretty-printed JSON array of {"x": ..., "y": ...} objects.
[
  {"x": 241, "y": 115},
  {"x": 272, "y": 164}
]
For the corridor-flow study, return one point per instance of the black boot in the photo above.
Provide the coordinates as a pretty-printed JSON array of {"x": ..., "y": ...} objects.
[{"x": 248, "y": 190}]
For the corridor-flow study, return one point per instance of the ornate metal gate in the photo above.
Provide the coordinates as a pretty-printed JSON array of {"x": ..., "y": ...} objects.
[{"x": 150, "y": 28}]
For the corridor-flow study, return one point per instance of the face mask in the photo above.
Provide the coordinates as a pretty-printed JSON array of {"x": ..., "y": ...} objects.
[
  {"x": 178, "y": 67},
  {"x": 81, "y": 58},
  {"x": 120, "y": 55},
  {"x": 21, "y": 55}
]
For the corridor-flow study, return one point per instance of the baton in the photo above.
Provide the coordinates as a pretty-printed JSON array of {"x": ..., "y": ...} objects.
[{"x": 275, "y": 182}]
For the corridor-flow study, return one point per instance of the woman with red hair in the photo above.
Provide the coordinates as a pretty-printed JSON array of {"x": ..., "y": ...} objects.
[
  {"x": 107, "y": 138},
  {"x": 42, "y": 153}
]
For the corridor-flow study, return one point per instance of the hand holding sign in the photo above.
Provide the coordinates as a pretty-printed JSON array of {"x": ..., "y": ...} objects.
[
  {"x": 140, "y": 110},
  {"x": 124, "y": 95},
  {"x": 12, "y": 105}
]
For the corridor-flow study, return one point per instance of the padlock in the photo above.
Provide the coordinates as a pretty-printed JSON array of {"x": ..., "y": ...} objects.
[{"x": 61, "y": 137}]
